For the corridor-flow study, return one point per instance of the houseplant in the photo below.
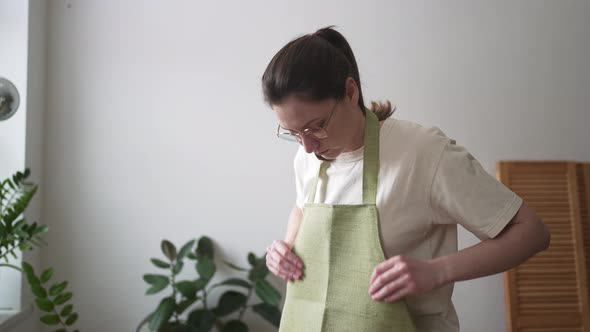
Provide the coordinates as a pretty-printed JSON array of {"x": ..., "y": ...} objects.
[
  {"x": 227, "y": 314},
  {"x": 17, "y": 234}
]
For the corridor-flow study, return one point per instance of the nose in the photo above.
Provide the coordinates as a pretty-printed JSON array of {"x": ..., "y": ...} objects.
[{"x": 309, "y": 144}]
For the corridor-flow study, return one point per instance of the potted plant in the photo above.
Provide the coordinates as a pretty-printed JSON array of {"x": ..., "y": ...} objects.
[
  {"x": 227, "y": 314},
  {"x": 17, "y": 234}
]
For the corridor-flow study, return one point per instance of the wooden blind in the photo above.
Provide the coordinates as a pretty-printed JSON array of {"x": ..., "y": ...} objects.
[
  {"x": 583, "y": 173},
  {"x": 548, "y": 293}
]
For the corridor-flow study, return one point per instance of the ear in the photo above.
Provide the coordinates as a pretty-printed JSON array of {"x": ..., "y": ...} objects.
[{"x": 352, "y": 91}]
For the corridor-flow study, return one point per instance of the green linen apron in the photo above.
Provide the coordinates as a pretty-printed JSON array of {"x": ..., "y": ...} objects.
[{"x": 340, "y": 246}]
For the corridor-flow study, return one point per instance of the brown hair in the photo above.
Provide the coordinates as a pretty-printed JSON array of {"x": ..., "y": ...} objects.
[{"x": 315, "y": 67}]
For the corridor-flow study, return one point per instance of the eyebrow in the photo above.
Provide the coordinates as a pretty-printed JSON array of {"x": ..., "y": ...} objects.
[{"x": 304, "y": 126}]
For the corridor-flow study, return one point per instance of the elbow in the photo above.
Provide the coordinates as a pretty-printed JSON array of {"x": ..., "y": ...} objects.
[{"x": 545, "y": 236}]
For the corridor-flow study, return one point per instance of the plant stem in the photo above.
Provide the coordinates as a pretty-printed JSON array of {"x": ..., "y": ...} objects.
[
  {"x": 62, "y": 323},
  {"x": 205, "y": 299},
  {"x": 8, "y": 251},
  {"x": 246, "y": 304},
  {"x": 174, "y": 290},
  {"x": 12, "y": 266},
  {"x": 9, "y": 201}
]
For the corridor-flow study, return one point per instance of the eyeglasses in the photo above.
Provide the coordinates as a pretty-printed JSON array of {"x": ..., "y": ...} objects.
[{"x": 317, "y": 133}]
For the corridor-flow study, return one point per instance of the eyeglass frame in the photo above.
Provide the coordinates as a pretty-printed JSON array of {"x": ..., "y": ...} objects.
[{"x": 307, "y": 131}]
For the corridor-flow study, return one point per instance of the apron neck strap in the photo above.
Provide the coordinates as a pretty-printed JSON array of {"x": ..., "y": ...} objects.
[
  {"x": 371, "y": 158},
  {"x": 370, "y": 162}
]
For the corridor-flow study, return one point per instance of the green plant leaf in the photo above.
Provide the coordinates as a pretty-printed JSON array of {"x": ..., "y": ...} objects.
[
  {"x": 205, "y": 248},
  {"x": 66, "y": 310},
  {"x": 50, "y": 319},
  {"x": 202, "y": 319},
  {"x": 72, "y": 319},
  {"x": 184, "y": 304},
  {"x": 237, "y": 282},
  {"x": 158, "y": 286},
  {"x": 229, "y": 302},
  {"x": 177, "y": 267},
  {"x": 192, "y": 256},
  {"x": 169, "y": 249},
  {"x": 42, "y": 229},
  {"x": 252, "y": 259},
  {"x": 160, "y": 263},
  {"x": 267, "y": 292},
  {"x": 185, "y": 328},
  {"x": 62, "y": 298},
  {"x": 186, "y": 249},
  {"x": 200, "y": 284},
  {"x": 144, "y": 321},
  {"x": 154, "y": 278},
  {"x": 162, "y": 314},
  {"x": 235, "y": 326},
  {"x": 58, "y": 288},
  {"x": 23, "y": 246},
  {"x": 206, "y": 268},
  {"x": 169, "y": 326},
  {"x": 269, "y": 312},
  {"x": 30, "y": 273},
  {"x": 187, "y": 288},
  {"x": 38, "y": 290},
  {"x": 258, "y": 272},
  {"x": 44, "y": 304},
  {"x": 46, "y": 275}
]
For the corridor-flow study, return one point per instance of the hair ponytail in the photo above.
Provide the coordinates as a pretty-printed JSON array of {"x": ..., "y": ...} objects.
[{"x": 315, "y": 67}]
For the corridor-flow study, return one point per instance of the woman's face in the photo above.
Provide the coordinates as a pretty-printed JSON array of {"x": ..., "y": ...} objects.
[{"x": 345, "y": 119}]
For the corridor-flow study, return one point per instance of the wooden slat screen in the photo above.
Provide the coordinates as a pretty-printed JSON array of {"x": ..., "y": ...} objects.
[
  {"x": 548, "y": 293},
  {"x": 583, "y": 173}
]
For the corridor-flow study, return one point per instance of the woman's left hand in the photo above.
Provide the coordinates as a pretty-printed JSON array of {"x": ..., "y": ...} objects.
[{"x": 400, "y": 276}]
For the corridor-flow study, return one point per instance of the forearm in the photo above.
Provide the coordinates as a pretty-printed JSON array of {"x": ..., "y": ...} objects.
[
  {"x": 517, "y": 243},
  {"x": 293, "y": 225}
]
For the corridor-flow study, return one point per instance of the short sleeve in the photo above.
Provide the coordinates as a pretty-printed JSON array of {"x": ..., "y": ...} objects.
[{"x": 462, "y": 192}]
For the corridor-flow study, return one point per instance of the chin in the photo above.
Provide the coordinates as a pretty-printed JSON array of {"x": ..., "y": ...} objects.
[
  {"x": 331, "y": 155},
  {"x": 321, "y": 158}
]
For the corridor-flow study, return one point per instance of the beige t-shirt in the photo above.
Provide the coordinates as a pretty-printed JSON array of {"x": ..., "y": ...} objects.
[{"x": 426, "y": 186}]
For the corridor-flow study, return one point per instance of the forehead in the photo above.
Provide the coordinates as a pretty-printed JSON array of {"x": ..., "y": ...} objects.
[{"x": 295, "y": 114}]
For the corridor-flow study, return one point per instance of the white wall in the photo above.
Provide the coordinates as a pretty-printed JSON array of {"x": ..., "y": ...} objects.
[{"x": 156, "y": 127}]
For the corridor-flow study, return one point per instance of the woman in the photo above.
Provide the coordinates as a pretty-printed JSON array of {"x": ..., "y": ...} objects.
[{"x": 371, "y": 244}]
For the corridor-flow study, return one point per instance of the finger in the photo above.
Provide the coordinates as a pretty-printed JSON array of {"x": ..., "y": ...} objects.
[
  {"x": 285, "y": 275},
  {"x": 390, "y": 289},
  {"x": 400, "y": 294},
  {"x": 283, "y": 264},
  {"x": 385, "y": 265},
  {"x": 289, "y": 267},
  {"x": 272, "y": 268},
  {"x": 286, "y": 252},
  {"x": 384, "y": 278},
  {"x": 276, "y": 270},
  {"x": 396, "y": 262}
]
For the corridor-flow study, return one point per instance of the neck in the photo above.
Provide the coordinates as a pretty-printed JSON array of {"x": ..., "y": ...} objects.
[{"x": 358, "y": 134}]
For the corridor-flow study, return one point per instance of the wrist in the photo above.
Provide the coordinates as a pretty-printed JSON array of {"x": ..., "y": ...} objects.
[
  {"x": 442, "y": 271},
  {"x": 289, "y": 243}
]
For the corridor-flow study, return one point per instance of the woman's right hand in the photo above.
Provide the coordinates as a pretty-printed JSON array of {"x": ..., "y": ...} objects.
[{"x": 282, "y": 262}]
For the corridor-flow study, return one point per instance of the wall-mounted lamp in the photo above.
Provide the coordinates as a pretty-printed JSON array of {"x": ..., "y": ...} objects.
[{"x": 9, "y": 99}]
